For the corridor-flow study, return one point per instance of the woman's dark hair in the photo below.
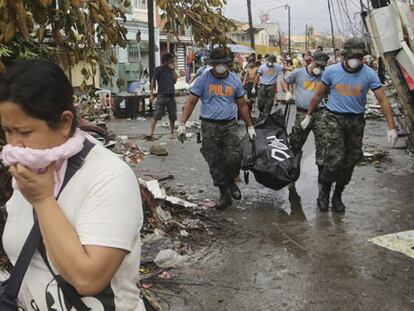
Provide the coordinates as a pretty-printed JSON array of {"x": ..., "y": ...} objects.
[
  {"x": 166, "y": 58},
  {"x": 41, "y": 88}
]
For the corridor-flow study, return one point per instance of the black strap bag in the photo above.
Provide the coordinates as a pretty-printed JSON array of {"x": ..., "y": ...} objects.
[
  {"x": 269, "y": 157},
  {"x": 9, "y": 289}
]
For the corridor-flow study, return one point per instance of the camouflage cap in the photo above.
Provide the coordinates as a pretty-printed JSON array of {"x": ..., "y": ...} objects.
[
  {"x": 354, "y": 46},
  {"x": 221, "y": 55},
  {"x": 272, "y": 58},
  {"x": 320, "y": 58}
]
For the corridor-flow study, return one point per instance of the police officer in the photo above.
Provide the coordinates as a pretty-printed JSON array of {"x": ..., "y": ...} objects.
[
  {"x": 349, "y": 83},
  {"x": 267, "y": 74},
  {"x": 222, "y": 94},
  {"x": 200, "y": 70},
  {"x": 305, "y": 80}
]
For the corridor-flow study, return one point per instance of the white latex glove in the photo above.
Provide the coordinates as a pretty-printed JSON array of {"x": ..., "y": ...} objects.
[
  {"x": 252, "y": 133},
  {"x": 392, "y": 137},
  {"x": 253, "y": 91},
  {"x": 181, "y": 135},
  {"x": 305, "y": 123},
  {"x": 289, "y": 96}
]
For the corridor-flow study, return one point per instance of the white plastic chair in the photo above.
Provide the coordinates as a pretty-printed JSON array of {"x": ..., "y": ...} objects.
[{"x": 105, "y": 98}]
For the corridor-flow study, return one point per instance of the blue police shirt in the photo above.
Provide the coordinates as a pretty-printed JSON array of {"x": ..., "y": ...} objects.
[
  {"x": 348, "y": 90},
  {"x": 268, "y": 75},
  {"x": 305, "y": 86},
  {"x": 218, "y": 95}
]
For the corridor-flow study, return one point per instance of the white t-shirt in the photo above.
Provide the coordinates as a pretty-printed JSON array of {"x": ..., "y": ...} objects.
[{"x": 103, "y": 203}]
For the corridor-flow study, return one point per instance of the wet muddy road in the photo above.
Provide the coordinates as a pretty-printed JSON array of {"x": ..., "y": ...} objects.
[{"x": 285, "y": 254}]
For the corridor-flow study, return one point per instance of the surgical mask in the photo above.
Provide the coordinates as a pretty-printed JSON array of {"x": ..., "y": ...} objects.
[
  {"x": 354, "y": 63},
  {"x": 269, "y": 64},
  {"x": 317, "y": 71},
  {"x": 220, "y": 69}
]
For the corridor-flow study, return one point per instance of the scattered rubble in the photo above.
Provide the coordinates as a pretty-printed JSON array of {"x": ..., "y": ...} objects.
[
  {"x": 129, "y": 151},
  {"x": 373, "y": 112},
  {"x": 169, "y": 258},
  {"x": 93, "y": 109},
  {"x": 373, "y": 154},
  {"x": 164, "y": 216}
]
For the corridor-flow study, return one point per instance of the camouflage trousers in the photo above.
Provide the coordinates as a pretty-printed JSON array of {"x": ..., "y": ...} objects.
[
  {"x": 221, "y": 149},
  {"x": 266, "y": 98},
  {"x": 298, "y": 136},
  {"x": 343, "y": 147}
]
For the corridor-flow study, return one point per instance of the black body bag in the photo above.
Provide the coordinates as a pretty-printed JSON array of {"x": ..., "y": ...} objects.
[{"x": 269, "y": 157}]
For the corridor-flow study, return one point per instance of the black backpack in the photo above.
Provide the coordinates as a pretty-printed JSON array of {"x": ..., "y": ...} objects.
[{"x": 269, "y": 157}]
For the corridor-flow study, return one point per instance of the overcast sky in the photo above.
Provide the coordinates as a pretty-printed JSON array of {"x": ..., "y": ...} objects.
[{"x": 311, "y": 12}]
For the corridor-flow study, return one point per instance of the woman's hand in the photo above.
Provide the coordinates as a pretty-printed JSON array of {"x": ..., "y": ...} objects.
[{"x": 34, "y": 187}]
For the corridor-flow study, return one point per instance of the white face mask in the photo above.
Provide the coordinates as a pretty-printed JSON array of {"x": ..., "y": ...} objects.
[
  {"x": 220, "y": 69},
  {"x": 354, "y": 63},
  {"x": 317, "y": 71},
  {"x": 269, "y": 64}
]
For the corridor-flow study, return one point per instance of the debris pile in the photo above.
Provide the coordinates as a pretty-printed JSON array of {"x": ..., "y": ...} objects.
[
  {"x": 373, "y": 154},
  {"x": 129, "y": 151},
  {"x": 373, "y": 112},
  {"x": 92, "y": 109}
]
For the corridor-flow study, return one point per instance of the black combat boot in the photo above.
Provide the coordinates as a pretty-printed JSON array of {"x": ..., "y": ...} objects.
[
  {"x": 337, "y": 204},
  {"x": 323, "y": 198},
  {"x": 225, "y": 198},
  {"x": 234, "y": 190}
]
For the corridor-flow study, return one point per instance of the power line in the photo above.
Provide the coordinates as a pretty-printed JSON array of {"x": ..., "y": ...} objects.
[
  {"x": 355, "y": 27},
  {"x": 340, "y": 30}
]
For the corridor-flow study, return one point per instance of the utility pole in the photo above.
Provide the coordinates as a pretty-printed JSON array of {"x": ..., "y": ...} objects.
[
  {"x": 332, "y": 28},
  {"x": 280, "y": 41},
  {"x": 288, "y": 6},
  {"x": 306, "y": 38},
  {"x": 151, "y": 38},
  {"x": 364, "y": 15},
  {"x": 251, "y": 33}
]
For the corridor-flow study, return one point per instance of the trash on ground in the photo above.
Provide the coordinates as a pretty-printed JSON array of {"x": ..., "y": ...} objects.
[
  {"x": 147, "y": 285},
  {"x": 164, "y": 216},
  {"x": 372, "y": 154},
  {"x": 183, "y": 233},
  {"x": 165, "y": 275},
  {"x": 402, "y": 242},
  {"x": 209, "y": 204},
  {"x": 152, "y": 245},
  {"x": 168, "y": 258},
  {"x": 154, "y": 187},
  {"x": 123, "y": 139},
  {"x": 192, "y": 223},
  {"x": 128, "y": 151}
]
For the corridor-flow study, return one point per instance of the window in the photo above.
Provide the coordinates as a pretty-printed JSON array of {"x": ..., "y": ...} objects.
[
  {"x": 139, "y": 5},
  {"x": 133, "y": 52}
]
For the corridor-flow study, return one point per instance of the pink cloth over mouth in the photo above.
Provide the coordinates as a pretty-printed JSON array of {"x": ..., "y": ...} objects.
[{"x": 37, "y": 160}]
